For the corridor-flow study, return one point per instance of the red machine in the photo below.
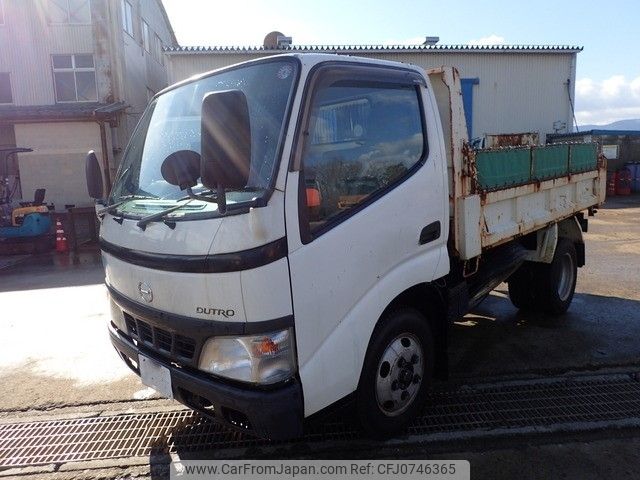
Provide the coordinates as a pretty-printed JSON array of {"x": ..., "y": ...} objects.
[
  {"x": 612, "y": 178},
  {"x": 623, "y": 182}
]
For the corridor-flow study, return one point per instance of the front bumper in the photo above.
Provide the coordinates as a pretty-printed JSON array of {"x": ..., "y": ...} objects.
[{"x": 272, "y": 413}]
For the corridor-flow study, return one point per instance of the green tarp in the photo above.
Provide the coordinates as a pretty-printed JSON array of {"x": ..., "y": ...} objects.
[
  {"x": 583, "y": 157},
  {"x": 509, "y": 167},
  {"x": 503, "y": 168},
  {"x": 550, "y": 161}
]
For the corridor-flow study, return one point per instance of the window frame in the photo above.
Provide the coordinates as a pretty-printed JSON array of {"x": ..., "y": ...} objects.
[
  {"x": 74, "y": 70},
  {"x": 12, "y": 102},
  {"x": 325, "y": 74},
  {"x": 68, "y": 22},
  {"x": 157, "y": 49},
  {"x": 127, "y": 21},
  {"x": 146, "y": 36},
  {"x": 3, "y": 20}
]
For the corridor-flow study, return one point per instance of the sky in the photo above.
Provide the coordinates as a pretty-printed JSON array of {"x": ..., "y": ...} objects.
[{"x": 608, "y": 69}]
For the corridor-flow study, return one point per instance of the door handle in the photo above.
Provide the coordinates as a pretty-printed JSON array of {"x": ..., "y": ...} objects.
[{"x": 430, "y": 233}]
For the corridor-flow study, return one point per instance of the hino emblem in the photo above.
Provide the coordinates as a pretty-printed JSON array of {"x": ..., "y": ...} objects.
[{"x": 144, "y": 289}]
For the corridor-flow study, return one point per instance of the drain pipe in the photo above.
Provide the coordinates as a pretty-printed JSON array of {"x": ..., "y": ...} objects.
[{"x": 105, "y": 158}]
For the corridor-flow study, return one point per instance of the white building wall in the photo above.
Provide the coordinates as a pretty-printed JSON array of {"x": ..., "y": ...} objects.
[
  {"x": 124, "y": 72},
  {"x": 518, "y": 91},
  {"x": 27, "y": 41},
  {"x": 138, "y": 70},
  {"x": 58, "y": 160},
  {"x": 156, "y": 72}
]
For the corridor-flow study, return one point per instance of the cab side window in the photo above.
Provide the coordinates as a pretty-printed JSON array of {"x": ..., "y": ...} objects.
[{"x": 362, "y": 138}]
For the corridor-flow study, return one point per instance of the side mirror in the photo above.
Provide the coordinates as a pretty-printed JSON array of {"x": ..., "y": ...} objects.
[
  {"x": 181, "y": 168},
  {"x": 94, "y": 176},
  {"x": 225, "y": 141}
]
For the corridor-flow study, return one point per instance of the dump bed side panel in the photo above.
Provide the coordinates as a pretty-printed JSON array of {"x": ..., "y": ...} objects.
[
  {"x": 499, "y": 194},
  {"x": 501, "y": 168},
  {"x": 520, "y": 190}
]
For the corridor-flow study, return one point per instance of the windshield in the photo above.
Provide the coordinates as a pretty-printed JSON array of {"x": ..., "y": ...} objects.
[{"x": 172, "y": 123}]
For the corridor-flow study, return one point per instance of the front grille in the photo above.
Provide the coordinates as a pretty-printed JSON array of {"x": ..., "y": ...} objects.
[{"x": 161, "y": 340}]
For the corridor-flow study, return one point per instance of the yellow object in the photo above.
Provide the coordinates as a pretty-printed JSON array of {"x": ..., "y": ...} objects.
[{"x": 18, "y": 214}]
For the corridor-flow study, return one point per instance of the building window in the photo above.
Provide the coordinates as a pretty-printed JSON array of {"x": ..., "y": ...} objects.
[
  {"x": 5, "y": 88},
  {"x": 127, "y": 17},
  {"x": 74, "y": 77},
  {"x": 70, "y": 11},
  {"x": 146, "y": 39},
  {"x": 157, "y": 49}
]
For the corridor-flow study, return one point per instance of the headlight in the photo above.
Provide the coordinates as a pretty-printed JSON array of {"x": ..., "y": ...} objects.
[{"x": 266, "y": 358}]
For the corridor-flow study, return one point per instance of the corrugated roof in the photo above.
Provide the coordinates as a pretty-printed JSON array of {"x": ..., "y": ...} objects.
[
  {"x": 379, "y": 48},
  {"x": 66, "y": 111}
]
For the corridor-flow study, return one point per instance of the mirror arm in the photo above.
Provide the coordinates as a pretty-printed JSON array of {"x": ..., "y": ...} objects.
[
  {"x": 221, "y": 198},
  {"x": 200, "y": 197}
]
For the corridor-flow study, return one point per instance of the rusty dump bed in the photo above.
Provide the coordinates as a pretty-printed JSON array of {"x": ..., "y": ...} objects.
[{"x": 496, "y": 195}]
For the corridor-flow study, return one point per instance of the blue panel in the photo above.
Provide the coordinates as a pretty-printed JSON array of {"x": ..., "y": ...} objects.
[
  {"x": 467, "y": 100},
  {"x": 620, "y": 133}
]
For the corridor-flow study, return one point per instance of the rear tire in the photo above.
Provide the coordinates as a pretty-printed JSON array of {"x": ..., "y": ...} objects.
[
  {"x": 522, "y": 291},
  {"x": 558, "y": 279},
  {"x": 397, "y": 372},
  {"x": 546, "y": 287}
]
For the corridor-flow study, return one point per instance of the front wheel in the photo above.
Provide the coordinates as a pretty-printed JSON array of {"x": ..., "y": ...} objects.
[{"x": 396, "y": 374}]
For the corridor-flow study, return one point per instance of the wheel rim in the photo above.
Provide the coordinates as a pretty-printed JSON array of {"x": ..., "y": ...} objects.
[
  {"x": 565, "y": 283},
  {"x": 399, "y": 374}
]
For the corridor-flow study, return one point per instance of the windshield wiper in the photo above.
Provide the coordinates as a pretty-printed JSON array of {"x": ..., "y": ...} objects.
[
  {"x": 201, "y": 196},
  {"x": 142, "y": 223},
  {"x": 113, "y": 206},
  {"x": 218, "y": 197}
]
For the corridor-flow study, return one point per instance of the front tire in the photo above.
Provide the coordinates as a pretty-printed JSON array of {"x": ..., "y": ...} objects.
[{"x": 397, "y": 372}]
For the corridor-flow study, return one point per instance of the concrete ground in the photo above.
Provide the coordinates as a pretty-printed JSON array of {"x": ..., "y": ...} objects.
[
  {"x": 55, "y": 356},
  {"x": 54, "y": 350},
  {"x": 600, "y": 329}
]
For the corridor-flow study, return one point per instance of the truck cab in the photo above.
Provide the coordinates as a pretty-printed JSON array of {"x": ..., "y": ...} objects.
[{"x": 280, "y": 236}]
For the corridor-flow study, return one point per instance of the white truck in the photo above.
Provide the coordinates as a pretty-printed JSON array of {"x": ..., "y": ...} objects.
[{"x": 291, "y": 231}]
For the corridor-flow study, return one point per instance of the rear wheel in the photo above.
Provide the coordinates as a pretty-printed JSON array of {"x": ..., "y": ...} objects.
[
  {"x": 558, "y": 279},
  {"x": 396, "y": 374},
  {"x": 546, "y": 287},
  {"x": 522, "y": 291}
]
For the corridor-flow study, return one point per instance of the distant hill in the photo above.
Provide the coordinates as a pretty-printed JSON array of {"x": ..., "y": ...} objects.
[{"x": 632, "y": 124}]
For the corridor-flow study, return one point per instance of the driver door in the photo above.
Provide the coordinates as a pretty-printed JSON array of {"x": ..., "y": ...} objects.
[{"x": 366, "y": 188}]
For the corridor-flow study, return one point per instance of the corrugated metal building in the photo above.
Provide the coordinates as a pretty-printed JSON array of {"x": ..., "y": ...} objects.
[
  {"x": 506, "y": 89},
  {"x": 75, "y": 75}
]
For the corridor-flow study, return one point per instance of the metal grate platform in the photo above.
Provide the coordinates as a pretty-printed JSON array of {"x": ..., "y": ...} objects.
[{"x": 481, "y": 408}]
